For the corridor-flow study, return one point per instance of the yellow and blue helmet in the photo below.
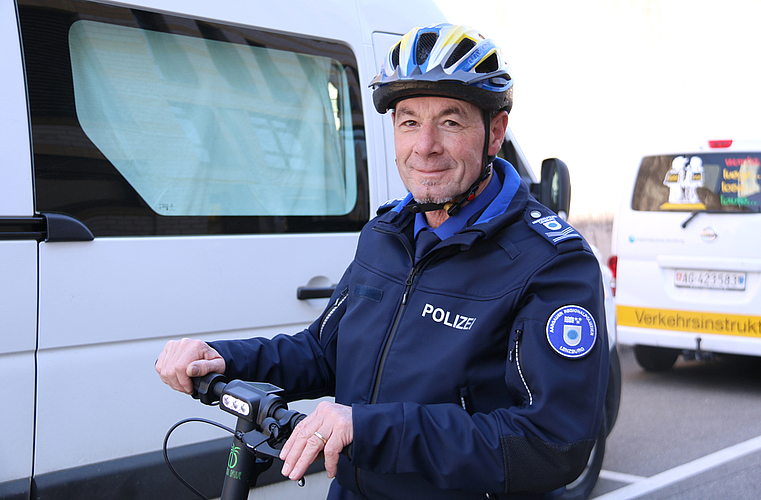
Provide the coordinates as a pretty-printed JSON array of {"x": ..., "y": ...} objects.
[{"x": 445, "y": 60}]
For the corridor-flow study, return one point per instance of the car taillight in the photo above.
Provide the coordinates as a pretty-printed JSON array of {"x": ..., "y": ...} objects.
[
  {"x": 613, "y": 266},
  {"x": 720, "y": 144}
]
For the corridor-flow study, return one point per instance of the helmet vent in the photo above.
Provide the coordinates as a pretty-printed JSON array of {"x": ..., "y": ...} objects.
[
  {"x": 490, "y": 64},
  {"x": 459, "y": 52},
  {"x": 395, "y": 56},
  {"x": 424, "y": 45}
]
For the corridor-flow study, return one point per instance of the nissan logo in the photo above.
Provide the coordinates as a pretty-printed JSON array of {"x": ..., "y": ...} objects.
[{"x": 709, "y": 235}]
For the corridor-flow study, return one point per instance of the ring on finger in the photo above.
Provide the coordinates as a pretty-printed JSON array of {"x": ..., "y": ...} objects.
[{"x": 324, "y": 441}]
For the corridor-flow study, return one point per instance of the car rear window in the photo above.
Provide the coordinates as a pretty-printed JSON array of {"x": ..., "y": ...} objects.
[{"x": 714, "y": 182}]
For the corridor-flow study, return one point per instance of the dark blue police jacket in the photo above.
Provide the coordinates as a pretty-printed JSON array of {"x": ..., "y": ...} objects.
[{"x": 480, "y": 369}]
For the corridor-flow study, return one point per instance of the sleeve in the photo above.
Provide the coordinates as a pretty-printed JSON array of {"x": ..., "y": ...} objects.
[
  {"x": 303, "y": 364},
  {"x": 540, "y": 444}
]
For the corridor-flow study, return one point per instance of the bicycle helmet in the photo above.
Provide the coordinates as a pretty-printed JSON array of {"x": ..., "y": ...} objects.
[
  {"x": 452, "y": 61},
  {"x": 444, "y": 60}
]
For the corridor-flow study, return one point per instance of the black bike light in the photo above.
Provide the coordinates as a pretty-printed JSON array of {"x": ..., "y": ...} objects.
[{"x": 245, "y": 399}]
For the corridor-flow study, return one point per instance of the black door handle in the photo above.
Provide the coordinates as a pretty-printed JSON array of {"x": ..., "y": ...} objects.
[{"x": 308, "y": 292}]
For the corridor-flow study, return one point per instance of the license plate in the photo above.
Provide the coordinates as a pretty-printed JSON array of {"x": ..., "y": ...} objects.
[{"x": 715, "y": 280}]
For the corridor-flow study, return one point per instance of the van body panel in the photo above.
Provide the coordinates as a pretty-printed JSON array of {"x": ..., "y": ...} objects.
[
  {"x": 18, "y": 326},
  {"x": 238, "y": 279},
  {"x": 18, "y": 267}
]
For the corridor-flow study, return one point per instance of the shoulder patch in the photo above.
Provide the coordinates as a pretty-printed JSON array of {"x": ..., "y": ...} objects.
[
  {"x": 572, "y": 332},
  {"x": 552, "y": 227}
]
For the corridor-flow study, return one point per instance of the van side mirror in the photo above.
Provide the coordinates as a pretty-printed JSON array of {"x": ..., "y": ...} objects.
[{"x": 554, "y": 189}]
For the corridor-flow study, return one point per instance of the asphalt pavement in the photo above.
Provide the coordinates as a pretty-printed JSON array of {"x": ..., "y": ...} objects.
[{"x": 693, "y": 432}]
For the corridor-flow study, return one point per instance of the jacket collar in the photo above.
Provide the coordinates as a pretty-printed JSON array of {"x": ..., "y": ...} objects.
[{"x": 508, "y": 203}]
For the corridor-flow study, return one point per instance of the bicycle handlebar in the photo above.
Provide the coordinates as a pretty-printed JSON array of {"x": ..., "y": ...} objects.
[
  {"x": 254, "y": 402},
  {"x": 264, "y": 425}
]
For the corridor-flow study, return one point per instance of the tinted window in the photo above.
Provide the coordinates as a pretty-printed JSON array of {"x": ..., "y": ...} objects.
[
  {"x": 716, "y": 182},
  {"x": 147, "y": 124}
]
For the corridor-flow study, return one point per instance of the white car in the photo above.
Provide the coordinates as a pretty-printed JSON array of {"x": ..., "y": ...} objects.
[{"x": 686, "y": 256}]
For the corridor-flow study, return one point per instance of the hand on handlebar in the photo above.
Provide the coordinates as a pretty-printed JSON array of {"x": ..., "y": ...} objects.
[
  {"x": 182, "y": 359},
  {"x": 329, "y": 429}
]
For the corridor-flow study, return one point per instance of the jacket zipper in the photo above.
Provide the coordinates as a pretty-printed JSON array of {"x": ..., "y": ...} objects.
[
  {"x": 392, "y": 334},
  {"x": 416, "y": 268},
  {"x": 387, "y": 346},
  {"x": 514, "y": 355},
  {"x": 336, "y": 305},
  {"x": 408, "y": 285}
]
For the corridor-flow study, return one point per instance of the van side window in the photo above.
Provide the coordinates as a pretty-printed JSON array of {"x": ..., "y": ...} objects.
[
  {"x": 164, "y": 125},
  {"x": 715, "y": 182}
]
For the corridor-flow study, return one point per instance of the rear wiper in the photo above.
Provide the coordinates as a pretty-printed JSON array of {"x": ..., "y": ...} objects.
[
  {"x": 704, "y": 211},
  {"x": 692, "y": 216}
]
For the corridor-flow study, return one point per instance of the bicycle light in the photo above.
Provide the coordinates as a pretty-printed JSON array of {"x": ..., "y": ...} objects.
[
  {"x": 252, "y": 401},
  {"x": 236, "y": 405}
]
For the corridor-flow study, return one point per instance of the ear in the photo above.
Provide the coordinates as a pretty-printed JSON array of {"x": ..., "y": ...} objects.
[{"x": 498, "y": 128}]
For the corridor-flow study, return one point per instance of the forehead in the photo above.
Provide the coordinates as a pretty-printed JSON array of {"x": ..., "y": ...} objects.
[{"x": 436, "y": 106}]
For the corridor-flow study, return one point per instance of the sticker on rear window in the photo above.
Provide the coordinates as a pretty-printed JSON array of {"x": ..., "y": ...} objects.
[{"x": 716, "y": 182}]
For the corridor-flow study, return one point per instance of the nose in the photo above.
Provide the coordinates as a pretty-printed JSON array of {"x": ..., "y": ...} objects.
[{"x": 428, "y": 141}]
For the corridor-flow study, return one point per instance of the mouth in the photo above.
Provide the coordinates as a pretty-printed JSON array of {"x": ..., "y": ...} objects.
[{"x": 431, "y": 169}]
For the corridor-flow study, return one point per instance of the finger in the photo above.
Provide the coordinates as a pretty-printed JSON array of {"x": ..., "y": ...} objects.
[
  {"x": 312, "y": 449},
  {"x": 204, "y": 367},
  {"x": 331, "y": 421},
  {"x": 160, "y": 362},
  {"x": 300, "y": 434},
  {"x": 201, "y": 368},
  {"x": 295, "y": 445},
  {"x": 177, "y": 357},
  {"x": 166, "y": 365},
  {"x": 292, "y": 450},
  {"x": 186, "y": 354},
  {"x": 332, "y": 451},
  {"x": 341, "y": 436}
]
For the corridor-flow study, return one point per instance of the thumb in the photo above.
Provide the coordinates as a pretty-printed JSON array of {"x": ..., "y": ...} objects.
[{"x": 202, "y": 367}]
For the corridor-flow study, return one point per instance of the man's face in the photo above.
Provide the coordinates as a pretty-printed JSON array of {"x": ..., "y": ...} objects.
[{"x": 439, "y": 146}]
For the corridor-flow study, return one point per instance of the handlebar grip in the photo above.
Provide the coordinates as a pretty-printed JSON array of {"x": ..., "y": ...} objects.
[
  {"x": 293, "y": 417},
  {"x": 299, "y": 418},
  {"x": 208, "y": 388}
]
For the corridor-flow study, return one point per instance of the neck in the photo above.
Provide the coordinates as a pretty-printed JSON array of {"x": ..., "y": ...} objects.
[{"x": 438, "y": 217}]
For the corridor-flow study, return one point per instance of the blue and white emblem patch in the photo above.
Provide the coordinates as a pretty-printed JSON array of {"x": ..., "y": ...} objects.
[
  {"x": 552, "y": 227},
  {"x": 572, "y": 332}
]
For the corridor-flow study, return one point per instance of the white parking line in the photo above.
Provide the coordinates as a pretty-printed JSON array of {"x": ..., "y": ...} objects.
[
  {"x": 682, "y": 472},
  {"x": 620, "y": 477}
]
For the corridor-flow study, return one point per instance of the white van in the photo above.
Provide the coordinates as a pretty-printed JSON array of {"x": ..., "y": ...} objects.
[
  {"x": 686, "y": 243},
  {"x": 173, "y": 169}
]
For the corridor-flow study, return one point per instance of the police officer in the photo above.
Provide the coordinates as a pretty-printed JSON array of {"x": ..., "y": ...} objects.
[{"x": 465, "y": 345}]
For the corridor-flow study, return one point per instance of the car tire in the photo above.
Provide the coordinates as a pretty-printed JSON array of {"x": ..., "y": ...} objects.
[
  {"x": 613, "y": 395},
  {"x": 582, "y": 487},
  {"x": 655, "y": 359}
]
